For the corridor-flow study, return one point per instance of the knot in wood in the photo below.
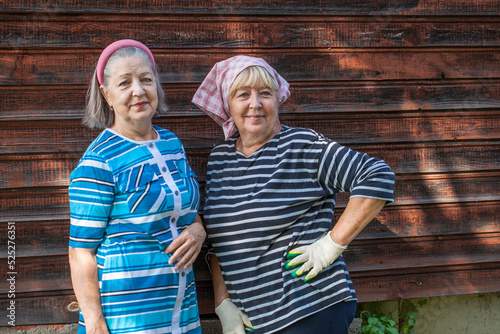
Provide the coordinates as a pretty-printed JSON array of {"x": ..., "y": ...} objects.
[{"x": 73, "y": 307}]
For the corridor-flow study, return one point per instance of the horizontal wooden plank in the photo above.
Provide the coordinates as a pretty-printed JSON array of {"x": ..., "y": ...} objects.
[
  {"x": 387, "y": 261},
  {"x": 447, "y": 189},
  {"x": 424, "y": 285},
  {"x": 161, "y": 32},
  {"x": 393, "y": 222},
  {"x": 40, "y": 238},
  {"x": 261, "y": 7},
  {"x": 439, "y": 251},
  {"x": 55, "y": 103},
  {"x": 39, "y": 204},
  {"x": 36, "y": 204},
  {"x": 53, "y": 274},
  {"x": 32, "y": 237},
  {"x": 52, "y": 203},
  {"x": 70, "y": 68},
  {"x": 430, "y": 220},
  {"x": 389, "y": 128},
  {"x": 381, "y": 258},
  {"x": 48, "y": 170},
  {"x": 50, "y": 308},
  {"x": 43, "y": 309},
  {"x": 201, "y": 132}
]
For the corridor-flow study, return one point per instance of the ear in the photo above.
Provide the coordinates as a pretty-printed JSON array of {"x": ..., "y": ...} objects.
[{"x": 105, "y": 94}]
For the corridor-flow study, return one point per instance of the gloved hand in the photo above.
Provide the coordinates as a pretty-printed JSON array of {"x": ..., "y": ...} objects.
[
  {"x": 315, "y": 257},
  {"x": 232, "y": 319}
]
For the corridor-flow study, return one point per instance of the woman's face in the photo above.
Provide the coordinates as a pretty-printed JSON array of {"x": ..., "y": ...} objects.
[
  {"x": 255, "y": 111},
  {"x": 131, "y": 91}
]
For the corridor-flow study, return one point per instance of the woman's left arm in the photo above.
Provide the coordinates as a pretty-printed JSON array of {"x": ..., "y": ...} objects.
[
  {"x": 317, "y": 256},
  {"x": 187, "y": 245},
  {"x": 357, "y": 214}
]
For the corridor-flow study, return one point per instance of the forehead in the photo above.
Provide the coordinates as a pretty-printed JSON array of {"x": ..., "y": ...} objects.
[{"x": 130, "y": 65}]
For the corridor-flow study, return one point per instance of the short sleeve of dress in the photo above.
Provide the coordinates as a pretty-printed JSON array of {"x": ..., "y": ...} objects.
[
  {"x": 91, "y": 194},
  {"x": 344, "y": 170}
]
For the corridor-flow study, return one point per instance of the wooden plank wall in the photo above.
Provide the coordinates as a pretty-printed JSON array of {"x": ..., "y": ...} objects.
[{"x": 416, "y": 83}]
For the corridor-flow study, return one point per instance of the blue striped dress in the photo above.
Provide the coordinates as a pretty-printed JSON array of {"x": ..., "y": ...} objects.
[
  {"x": 130, "y": 200},
  {"x": 280, "y": 197}
]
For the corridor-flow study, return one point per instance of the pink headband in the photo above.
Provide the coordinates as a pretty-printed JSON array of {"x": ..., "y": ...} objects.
[
  {"x": 112, "y": 48},
  {"x": 211, "y": 96}
]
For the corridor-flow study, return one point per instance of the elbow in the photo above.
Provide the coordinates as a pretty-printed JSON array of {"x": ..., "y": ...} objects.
[{"x": 80, "y": 256}]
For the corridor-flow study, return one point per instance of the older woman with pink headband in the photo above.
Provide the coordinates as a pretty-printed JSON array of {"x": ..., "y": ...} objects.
[
  {"x": 134, "y": 231},
  {"x": 276, "y": 261}
]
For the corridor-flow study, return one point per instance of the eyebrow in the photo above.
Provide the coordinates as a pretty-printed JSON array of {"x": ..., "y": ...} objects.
[{"x": 140, "y": 74}]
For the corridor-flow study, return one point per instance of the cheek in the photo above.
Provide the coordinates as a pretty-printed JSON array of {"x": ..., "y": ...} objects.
[{"x": 234, "y": 108}]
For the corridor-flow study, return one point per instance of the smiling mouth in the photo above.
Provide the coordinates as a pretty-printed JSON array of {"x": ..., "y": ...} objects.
[
  {"x": 139, "y": 104},
  {"x": 255, "y": 116}
]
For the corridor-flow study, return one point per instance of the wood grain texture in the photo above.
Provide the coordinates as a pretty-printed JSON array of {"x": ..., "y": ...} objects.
[
  {"x": 53, "y": 170},
  {"x": 200, "y": 132},
  {"x": 416, "y": 83},
  {"x": 261, "y": 7},
  {"x": 72, "y": 68},
  {"x": 39, "y": 103},
  {"x": 161, "y": 32}
]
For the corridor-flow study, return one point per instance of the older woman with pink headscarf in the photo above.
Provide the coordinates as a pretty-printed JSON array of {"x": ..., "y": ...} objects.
[
  {"x": 276, "y": 262},
  {"x": 135, "y": 231}
]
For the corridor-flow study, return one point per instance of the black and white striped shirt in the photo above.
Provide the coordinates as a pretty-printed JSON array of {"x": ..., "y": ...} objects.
[{"x": 283, "y": 196}]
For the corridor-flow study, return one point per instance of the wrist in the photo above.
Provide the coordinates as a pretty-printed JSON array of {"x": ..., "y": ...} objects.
[
  {"x": 337, "y": 240},
  {"x": 333, "y": 241},
  {"x": 218, "y": 300}
]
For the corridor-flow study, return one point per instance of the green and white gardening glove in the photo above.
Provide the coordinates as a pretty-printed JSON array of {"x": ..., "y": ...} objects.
[
  {"x": 314, "y": 258},
  {"x": 232, "y": 319}
]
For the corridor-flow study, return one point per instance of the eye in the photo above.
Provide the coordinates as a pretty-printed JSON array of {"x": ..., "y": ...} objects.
[
  {"x": 267, "y": 92},
  {"x": 123, "y": 83},
  {"x": 147, "y": 79}
]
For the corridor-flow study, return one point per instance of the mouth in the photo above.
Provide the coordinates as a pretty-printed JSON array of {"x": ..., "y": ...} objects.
[
  {"x": 255, "y": 117},
  {"x": 140, "y": 104}
]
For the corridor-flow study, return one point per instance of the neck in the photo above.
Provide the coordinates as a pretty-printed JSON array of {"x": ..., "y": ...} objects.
[
  {"x": 142, "y": 132},
  {"x": 248, "y": 143}
]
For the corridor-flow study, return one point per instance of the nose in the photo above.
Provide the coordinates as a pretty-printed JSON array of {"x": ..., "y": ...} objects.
[
  {"x": 255, "y": 102},
  {"x": 137, "y": 88}
]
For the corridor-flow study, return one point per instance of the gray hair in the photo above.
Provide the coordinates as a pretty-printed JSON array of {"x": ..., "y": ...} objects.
[{"x": 98, "y": 114}]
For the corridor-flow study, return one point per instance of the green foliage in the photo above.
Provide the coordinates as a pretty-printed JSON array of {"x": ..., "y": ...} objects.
[
  {"x": 385, "y": 324},
  {"x": 409, "y": 316},
  {"x": 378, "y": 323}
]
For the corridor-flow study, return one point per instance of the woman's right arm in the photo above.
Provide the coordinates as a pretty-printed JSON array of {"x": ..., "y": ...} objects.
[
  {"x": 220, "y": 290},
  {"x": 85, "y": 281}
]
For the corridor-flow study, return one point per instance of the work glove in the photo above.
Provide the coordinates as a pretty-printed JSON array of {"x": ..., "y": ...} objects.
[
  {"x": 232, "y": 319},
  {"x": 315, "y": 257}
]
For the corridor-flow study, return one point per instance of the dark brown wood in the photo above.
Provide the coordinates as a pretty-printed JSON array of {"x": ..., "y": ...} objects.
[
  {"x": 28, "y": 204},
  {"x": 261, "y": 7},
  {"x": 39, "y": 103},
  {"x": 53, "y": 170},
  {"x": 201, "y": 132},
  {"x": 393, "y": 222},
  {"x": 250, "y": 32},
  {"x": 381, "y": 257},
  {"x": 71, "y": 67},
  {"x": 430, "y": 284}
]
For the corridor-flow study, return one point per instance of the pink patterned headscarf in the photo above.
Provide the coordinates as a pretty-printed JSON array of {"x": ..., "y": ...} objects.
[
  {"x": 212, "y": 95},
  {"x": 115, "y": 46}
]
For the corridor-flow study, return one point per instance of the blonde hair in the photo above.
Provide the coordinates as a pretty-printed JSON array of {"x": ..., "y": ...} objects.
[
  {"x": 251, "y": 77},
  {"x": 98, "y": 114}
]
